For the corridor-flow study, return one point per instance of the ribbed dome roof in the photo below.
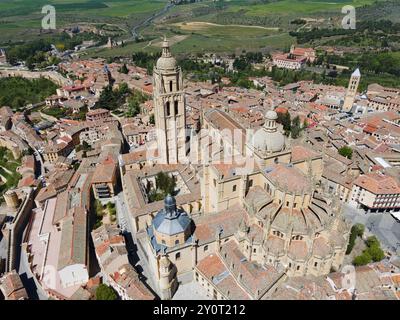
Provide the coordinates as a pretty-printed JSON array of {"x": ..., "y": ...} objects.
[
  {"x": 271, "y": 115},
  {"x": 268, "y": 141},
  {"x": 170, "y": 220},
  {"x": 166, "y": 61},
  {"x": 268, "y": 138}
]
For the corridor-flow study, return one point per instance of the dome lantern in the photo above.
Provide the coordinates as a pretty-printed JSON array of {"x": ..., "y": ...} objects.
[
  {"x": 166, "y": 61},
  {"x": 268, "y": 138}
]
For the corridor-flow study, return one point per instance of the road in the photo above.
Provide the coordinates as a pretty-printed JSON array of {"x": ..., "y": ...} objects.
[
  {"x": 148, "y": 21},
  {"x": 136, "y": 254},
  {"x": 383, "y": 225}
]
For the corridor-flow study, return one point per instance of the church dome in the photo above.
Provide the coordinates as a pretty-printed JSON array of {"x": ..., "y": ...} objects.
[
  {"x": 271, "y": 115},
  {"x": 170, "y": 220},
  {"x": 268, "y": 141},
  {"x": 268, "y": 138},
  {"x": 166, "y": 61}
]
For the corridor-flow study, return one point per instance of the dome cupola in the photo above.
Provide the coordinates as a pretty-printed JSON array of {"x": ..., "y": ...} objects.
[
  {"x": 268, "y": 138},
  {"x": 166, "y": 61}
]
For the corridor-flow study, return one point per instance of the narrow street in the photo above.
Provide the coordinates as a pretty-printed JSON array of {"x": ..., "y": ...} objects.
[{"x": 136, "y": 255}]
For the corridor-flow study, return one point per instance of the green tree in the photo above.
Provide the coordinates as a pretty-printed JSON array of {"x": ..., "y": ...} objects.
[
  {"x": 346, "y": 152},
  {"x": 124, "y": 69},
  {"x": 104, "y": 292},
  {"x": 357, "y": 230},
  {"x": 376, "y": 253},
  {"x": 165, "y": 183},
  {"x": 286, "y": 123},
  {"x": 362, "y": 259},
  {"x": 295, "y": 128},
  {"x": 152, "y": 119},
  {"x": 99, "y": 208},
  {"x": 372, "y": 241}
]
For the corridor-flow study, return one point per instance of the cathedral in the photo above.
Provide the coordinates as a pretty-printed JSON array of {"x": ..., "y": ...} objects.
[{"x": 239, "y": 230}]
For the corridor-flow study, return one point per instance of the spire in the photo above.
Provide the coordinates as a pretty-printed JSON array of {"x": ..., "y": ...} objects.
[
  {"x": 165, "y": 48},
  {"x": 356, "y": 73}
]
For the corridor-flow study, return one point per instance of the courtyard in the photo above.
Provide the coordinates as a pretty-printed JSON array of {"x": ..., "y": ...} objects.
[{"x": 383, "y": 225}]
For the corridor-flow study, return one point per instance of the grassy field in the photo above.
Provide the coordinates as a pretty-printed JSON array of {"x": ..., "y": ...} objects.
[
  {"x": 297, "y": 6},
  {"x": 8, "y": 167},
  {"x": 20, "y": 20},
  {"x": 203, "y": 26}
]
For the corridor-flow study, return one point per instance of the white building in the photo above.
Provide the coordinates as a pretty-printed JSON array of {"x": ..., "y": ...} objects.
[{"x": 375, "y": 192}]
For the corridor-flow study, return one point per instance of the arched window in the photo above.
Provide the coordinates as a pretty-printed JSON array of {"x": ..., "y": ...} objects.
[
  {"x": 168, "y": 108},
  {"x": 205, "y": 247},
  {"x": 178, "y": 256},
  {"x": 170, "y": 86},
  {"x": 176, "y": 107},
  {"x": 176, "y": 241},
  {"x": 234, "y": 188}
]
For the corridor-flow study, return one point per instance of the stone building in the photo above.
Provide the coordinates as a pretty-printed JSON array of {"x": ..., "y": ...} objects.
[
  {"x": 352, "y": 90},
  {"x": 249, "y": 214},
  {"x": 169, "y": 106}
]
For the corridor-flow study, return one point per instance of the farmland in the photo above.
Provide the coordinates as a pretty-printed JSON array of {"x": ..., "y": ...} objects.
[{"x": 232, "y": 25}]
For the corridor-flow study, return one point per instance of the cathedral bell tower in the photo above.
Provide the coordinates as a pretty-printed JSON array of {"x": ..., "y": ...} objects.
[
  {"x": 351, "y": 91},
  {"x": 169, "y": 108}
]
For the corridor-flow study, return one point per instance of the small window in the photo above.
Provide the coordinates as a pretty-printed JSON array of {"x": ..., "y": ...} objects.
[
  {"x": 234, "y": 188},
  {"x": 315, "y": 264},
  {"x": 205, "y": 247},
  {"x": 287, "y": 203},
  {"x": 176, "y": 242},
  {"x": 250, "y": 183},
  {"x": 170, "y": 86},
  {"x": 163, "y": 241},
  {"x": 254, "y": 250},
  {"x": 178, "y": 256},
  {"x": 168, "y": 107},
  {"x": 298, "y": 268},
  {"x": 290, "y": 264}
]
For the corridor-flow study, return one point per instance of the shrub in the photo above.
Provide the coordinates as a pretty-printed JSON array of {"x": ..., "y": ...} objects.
[
  {"x": 372, "y": 241},
  {"x": 359, "y": 228},
  {"x": 104, "y": 292},
  {"x": 362, "y": 259},
  {"x": 376, "y": 253},
  {"x": 356, "y": 230},
  {"x": 346, "y": 152}
]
